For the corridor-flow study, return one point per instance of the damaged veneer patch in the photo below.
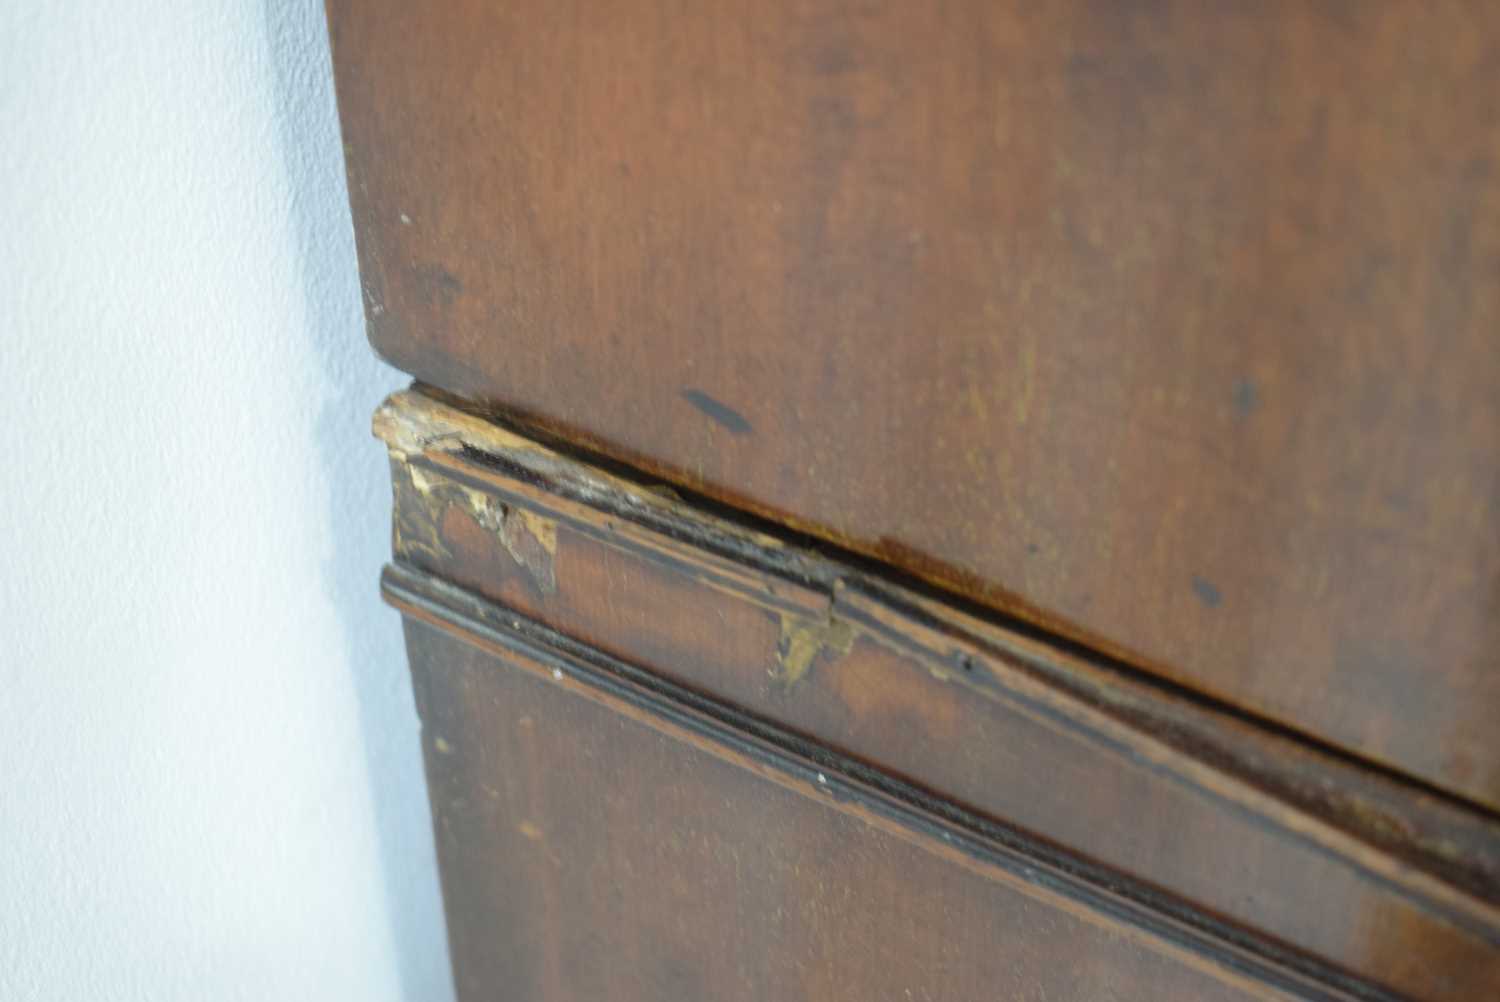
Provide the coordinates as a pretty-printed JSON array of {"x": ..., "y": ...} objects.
[
  {"x": 938, "y": 693},
  {"x": 529, "y": 538},
  {"x": 802, "y": 640}
]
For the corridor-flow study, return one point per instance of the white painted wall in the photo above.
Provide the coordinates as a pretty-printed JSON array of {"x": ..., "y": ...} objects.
[{"x": 211, "y": 784}]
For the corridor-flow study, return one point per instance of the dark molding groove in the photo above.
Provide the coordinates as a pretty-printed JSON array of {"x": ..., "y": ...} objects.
[
  {"x": 499, "y": 528},
  {"x": 856, "y": 787},
  {"x": 599, "y": 498}
]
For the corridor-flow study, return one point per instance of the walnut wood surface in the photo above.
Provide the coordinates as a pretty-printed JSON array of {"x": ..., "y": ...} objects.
[
  {"x": 594, "y": 851},
  {"x": 1266, "y": 845},
  {"x": 1174, "y": 327}
]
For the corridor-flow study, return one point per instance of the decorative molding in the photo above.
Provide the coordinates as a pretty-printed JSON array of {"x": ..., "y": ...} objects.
[
  {"x": 988, "y": 850},
  {"x": 809, "y": 625}
]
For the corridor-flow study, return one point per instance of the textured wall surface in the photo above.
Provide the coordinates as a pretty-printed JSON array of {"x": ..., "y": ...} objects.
[{"x": 212, "y": 781}]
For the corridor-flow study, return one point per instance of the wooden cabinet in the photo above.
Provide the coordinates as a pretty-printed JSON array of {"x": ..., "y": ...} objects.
[{"x": 950, "y": 500}]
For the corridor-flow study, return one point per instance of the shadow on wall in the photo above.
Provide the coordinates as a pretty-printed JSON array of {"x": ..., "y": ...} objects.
[{"x": 359, "y": 496}]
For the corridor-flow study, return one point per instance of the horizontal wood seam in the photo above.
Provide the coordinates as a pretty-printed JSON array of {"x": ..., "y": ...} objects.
[
  {"x": 983, "y": 845},
  {"x": 1461, "y": 885}
]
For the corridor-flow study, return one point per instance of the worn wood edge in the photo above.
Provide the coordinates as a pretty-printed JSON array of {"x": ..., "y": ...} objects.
[
  {"x": 1113, "y": 748},
  {"x": 1013, "y": 614},
  {"x": 990, "y": 850},
  {"x": 413, "y": 424},
  {"x": 1439, "y": 853}
]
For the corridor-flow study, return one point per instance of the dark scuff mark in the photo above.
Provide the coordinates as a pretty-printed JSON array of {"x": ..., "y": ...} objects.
[
  {"x": 436, "y": 285},
  {"x": 832, "y": 60},
  {"x": 1246, "y": 397},
  {"x": 1205, "y": 590},
  {"x": 730, "y": 418}
]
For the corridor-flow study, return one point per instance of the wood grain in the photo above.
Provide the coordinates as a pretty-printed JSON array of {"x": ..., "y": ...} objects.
[
  {"x": 1173, "y": 327},
  {"x": 1274, "y": 846},
  {"x": 593, "y": 849}
]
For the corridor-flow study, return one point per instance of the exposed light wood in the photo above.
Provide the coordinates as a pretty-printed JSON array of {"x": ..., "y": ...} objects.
[{"x": 1268, "y": 847}]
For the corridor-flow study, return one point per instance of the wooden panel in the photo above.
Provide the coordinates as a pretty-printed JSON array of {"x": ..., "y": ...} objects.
[
  {"x": 588, "y": 855},
  {"x": 1173, "y": 326},
  {"x": 1270, "y": 845}
]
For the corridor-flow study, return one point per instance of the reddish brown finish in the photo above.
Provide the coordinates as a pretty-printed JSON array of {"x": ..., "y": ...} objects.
[
  {"x": 587, "y": 855},
  {"x": 1335, "y": 861},
  {"x": 1175, "y": 326}
]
